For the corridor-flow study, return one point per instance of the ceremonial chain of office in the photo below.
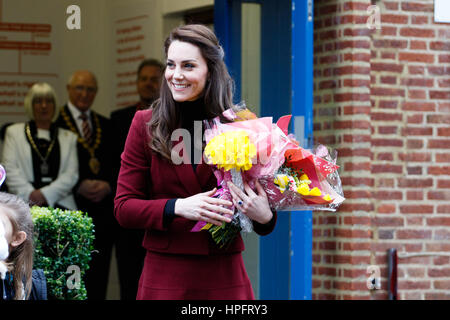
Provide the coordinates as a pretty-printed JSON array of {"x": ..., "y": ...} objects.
[{"x": 94, "y": 164}]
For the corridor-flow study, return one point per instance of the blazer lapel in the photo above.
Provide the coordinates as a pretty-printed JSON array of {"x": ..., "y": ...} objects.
[
  {"x": 94, "y": 125},
  {"x": 186, "y": 173},
  {"x": 188, "y": 178},
  {"x": 27, "y": 159},
  {"x": 204, "y": 173},
  {"x": 71, "y": 119}
]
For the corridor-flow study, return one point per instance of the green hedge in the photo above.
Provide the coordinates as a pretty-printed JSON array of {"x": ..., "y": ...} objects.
[{"x": 63, "y": 246}]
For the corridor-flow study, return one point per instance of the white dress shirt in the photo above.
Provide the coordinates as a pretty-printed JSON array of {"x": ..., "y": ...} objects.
[{"x": 76, "y": 116}]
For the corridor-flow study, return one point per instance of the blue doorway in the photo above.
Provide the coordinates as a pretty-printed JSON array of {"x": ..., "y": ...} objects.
[{"x": 286, "y": 87}]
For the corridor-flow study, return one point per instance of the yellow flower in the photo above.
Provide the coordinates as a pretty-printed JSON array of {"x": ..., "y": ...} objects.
[
  {"x": 303, "y": 189},
  {"x": 315, "y": 192},
  {"x": 304, "y": 177},
  {"x": 327, "y": 197},
  {"x": 281, "y": 180},
  {"x": 231, "y": 150}
]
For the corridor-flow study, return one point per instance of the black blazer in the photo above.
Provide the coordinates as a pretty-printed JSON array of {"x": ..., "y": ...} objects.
[{"x": 121, "y": 121}]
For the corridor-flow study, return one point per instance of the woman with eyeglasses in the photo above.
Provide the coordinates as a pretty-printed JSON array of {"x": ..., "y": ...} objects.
[{"x": 39, "y": 157}]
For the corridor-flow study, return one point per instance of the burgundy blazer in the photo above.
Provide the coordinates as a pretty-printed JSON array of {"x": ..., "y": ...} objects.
[{"x": 147, "y": 181}]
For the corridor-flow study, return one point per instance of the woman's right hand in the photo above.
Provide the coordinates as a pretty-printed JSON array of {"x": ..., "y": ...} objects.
[{"x": 203, "y": 207}]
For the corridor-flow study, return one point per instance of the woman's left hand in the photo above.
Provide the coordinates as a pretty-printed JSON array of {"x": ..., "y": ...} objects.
[
  {"x": 253, "y": 204},
  {"x": 37, "y": 198}
]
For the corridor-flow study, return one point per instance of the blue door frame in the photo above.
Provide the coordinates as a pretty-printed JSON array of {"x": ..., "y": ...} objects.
[{"x": 286, "y": 88}]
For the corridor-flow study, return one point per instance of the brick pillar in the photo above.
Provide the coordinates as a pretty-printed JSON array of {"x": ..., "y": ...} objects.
[{"x": 342, "y": 240}]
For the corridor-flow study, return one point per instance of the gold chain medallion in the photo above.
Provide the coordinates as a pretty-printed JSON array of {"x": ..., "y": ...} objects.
[
  {"x": 94, "y": 164},
  {"x": 44, "y": 165}
]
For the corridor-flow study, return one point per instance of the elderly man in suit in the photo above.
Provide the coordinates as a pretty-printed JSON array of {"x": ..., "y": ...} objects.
[
  {"x": 129, "y": 251},
  {"x": 94, "y": 190}
]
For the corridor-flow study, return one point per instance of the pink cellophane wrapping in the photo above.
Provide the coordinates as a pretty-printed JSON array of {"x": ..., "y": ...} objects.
[
  {"x": 328, "y": 183},
  {"x": 272, "y": 142}
]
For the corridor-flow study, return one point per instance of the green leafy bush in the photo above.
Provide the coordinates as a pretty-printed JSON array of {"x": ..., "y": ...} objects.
[{"x": 63, "y": 246}]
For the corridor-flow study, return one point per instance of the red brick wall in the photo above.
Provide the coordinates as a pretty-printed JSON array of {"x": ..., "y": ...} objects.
[{"x": 382, "y": 99}]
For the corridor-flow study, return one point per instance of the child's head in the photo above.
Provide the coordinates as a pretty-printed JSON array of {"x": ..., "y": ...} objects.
[
  {"x": 4, "y": 243},
  {"x": 16, "y": 218}
]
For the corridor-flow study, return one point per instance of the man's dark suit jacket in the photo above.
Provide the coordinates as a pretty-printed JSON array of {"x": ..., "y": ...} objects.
[
  {"x": 103, "y": 153},
  {"x": 101, "y": 212},
  {"x": 121, "y": 122}
]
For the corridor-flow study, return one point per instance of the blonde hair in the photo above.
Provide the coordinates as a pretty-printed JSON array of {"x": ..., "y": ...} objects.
[
  {"x": 20, "y": 259},
  {"x": 40, "y": 90}
]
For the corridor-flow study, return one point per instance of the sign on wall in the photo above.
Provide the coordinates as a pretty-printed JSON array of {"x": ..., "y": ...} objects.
[
  {"x": 442, "y": 11},
  {"x": 130, "y": 46},
  {"x": 27, "y": 55}
]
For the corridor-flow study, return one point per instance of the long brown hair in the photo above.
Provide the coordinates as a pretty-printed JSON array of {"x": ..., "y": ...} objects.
[
  {"x": 218, "y": 92},
  {"x": 20, "y": 259}
]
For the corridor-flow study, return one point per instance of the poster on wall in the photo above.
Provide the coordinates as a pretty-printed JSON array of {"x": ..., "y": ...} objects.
[
  {"x": 442, "y": 11},
  {"x": 27, "y": 55},
  {"x": 130, "y": 46}
]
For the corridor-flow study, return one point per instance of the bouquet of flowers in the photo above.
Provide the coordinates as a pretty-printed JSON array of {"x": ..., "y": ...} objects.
[{"x": 249, "y": 149}]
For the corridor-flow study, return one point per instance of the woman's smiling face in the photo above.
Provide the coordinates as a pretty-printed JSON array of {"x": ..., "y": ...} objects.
[{"x": 186, "y": 71}]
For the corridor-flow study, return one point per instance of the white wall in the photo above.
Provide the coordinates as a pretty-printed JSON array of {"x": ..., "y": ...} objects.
[
  {"x": 88, "y": 48},
  {"x": 70, "y": 49},
  {"x": 171, "y": 6}
]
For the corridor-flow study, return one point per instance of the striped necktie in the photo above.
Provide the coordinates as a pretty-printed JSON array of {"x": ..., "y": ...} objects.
[{"x": 87, "y": 133}]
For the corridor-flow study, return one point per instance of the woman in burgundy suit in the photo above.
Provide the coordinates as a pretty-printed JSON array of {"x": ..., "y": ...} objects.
[{"x": 168, "y": 199}]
